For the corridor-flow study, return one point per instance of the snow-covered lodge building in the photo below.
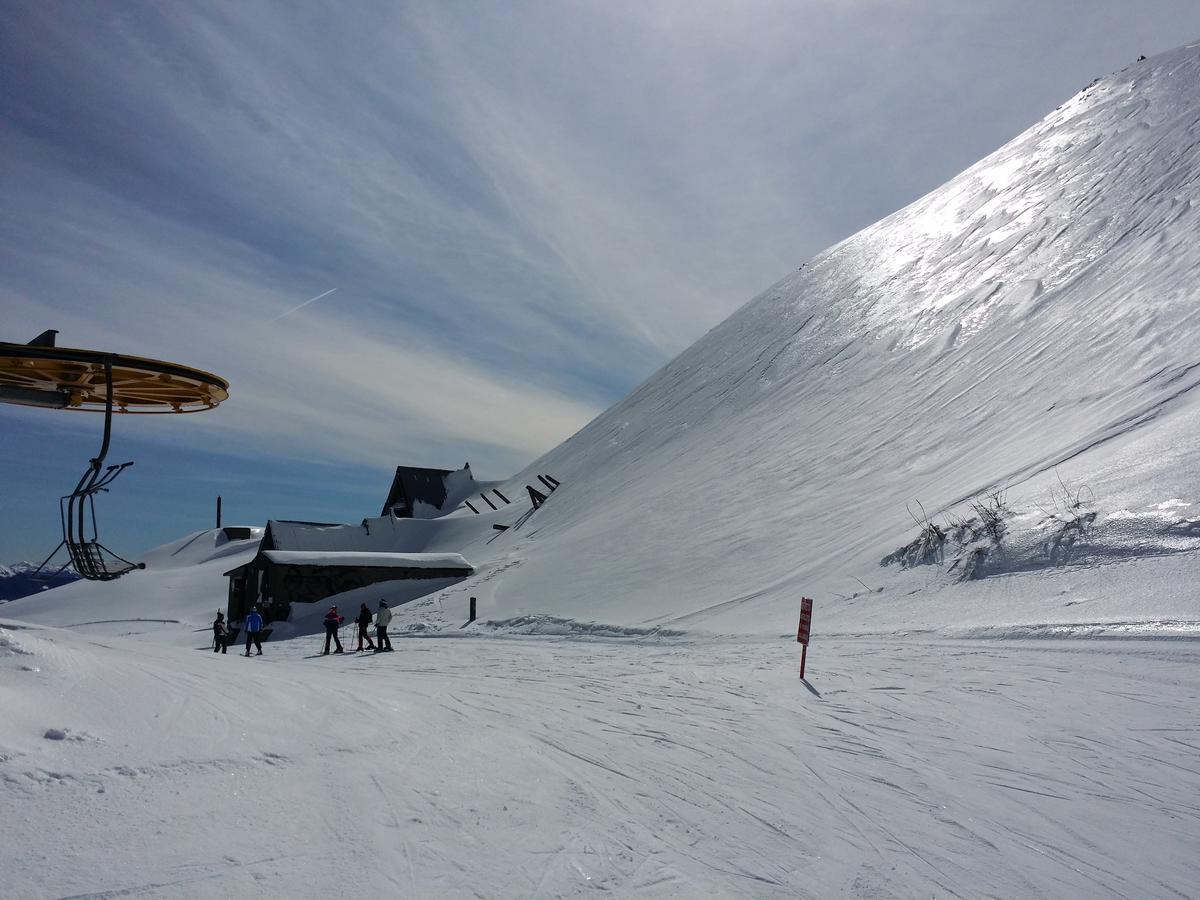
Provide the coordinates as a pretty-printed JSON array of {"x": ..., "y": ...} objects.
[{"x": 307, "y": 562}]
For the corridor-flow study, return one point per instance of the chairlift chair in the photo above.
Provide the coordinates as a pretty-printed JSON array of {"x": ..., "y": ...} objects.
[{"x": 41, "y": 374}]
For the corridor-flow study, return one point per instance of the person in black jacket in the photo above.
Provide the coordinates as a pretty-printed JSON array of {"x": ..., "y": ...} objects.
[
  {"x": 364, "y": 622},
  {"x": 220, "y": 634}
]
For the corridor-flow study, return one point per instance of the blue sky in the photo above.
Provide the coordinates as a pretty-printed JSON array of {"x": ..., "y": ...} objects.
[{"x": 520, "y": 210}]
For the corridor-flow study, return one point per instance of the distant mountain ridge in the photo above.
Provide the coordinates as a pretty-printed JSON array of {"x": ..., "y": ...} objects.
[{"x": 16, "y": 580}]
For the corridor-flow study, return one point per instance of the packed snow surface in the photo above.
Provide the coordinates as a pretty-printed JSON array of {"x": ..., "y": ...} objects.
[
  {"x": 967, "y": 432},
  {"x": 528, "y": 767}
]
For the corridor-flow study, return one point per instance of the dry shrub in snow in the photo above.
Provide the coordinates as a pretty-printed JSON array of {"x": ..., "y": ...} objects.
[
  {"x": 992, "y": 511},
  {"x": 980, "y": 542},
  {"x": 1068, "y": 520},
  {"x": 981, "y": 537},
  {"x": 927, "y": 549},
  {"x": 973, "y": 540}
]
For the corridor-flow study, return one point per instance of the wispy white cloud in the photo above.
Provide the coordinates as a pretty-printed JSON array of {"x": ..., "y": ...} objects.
[{"x": 322, "y": 386}]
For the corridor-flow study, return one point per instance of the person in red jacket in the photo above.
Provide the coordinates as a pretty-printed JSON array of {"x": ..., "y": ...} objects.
[{"x": 332, "y": 621}]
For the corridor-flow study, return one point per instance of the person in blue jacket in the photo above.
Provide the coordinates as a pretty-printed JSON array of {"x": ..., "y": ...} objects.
[{"x": 254, "y": 627}]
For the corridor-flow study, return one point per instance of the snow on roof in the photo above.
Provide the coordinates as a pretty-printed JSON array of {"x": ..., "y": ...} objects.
[
  {"x": 375, "y": 535},
  {"x": 371, "y": 560}
]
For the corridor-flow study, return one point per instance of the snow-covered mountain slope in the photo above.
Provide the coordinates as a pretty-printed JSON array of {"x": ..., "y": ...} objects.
[{"x": 1041, "y": 309}]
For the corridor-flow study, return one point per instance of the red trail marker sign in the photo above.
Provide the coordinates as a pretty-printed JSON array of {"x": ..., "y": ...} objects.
[{"x": 803, "y": 631}]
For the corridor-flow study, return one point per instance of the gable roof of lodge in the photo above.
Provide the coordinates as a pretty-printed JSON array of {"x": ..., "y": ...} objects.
[{"x": 413, "y": 485}]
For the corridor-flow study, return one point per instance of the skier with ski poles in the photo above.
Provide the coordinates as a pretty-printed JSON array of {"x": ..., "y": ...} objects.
[
  {"x": 332, "y": 622},
  {"x": 364, "y": 622},
  {"x": 382, "y": 619},
  {"x": 254, "y": 626}
]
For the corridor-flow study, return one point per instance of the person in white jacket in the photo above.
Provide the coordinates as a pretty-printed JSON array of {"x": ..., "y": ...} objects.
[{"x": 383, "y": 644}]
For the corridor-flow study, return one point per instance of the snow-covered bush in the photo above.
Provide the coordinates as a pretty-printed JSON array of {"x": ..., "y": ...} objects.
[
  {"x": 985, "y": 540},
  {"x": 926, "y": 549},
  {"x": 968, "y": 542},
  {"x": 1067, "y": 520},
  {"x": 992, "y": 511}
]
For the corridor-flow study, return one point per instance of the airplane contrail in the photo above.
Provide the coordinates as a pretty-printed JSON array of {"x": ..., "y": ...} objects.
[{"x": 302, "y": 305}]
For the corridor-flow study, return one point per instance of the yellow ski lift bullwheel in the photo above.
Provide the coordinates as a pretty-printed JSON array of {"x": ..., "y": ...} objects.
[{"x": 41, "y": 374}]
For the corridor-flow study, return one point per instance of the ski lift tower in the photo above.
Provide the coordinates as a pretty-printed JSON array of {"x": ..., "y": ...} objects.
[{"x": 41, "y": 374}]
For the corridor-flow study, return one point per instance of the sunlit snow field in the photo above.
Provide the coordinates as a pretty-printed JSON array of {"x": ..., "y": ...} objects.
[{"x": 513, "y": 767}]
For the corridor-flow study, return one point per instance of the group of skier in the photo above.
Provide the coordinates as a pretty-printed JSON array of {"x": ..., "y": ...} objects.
[
  {"x": 382, "y": 643},
  {"x": 254, "y": 630},
  {"x": 333, "y": 621}
]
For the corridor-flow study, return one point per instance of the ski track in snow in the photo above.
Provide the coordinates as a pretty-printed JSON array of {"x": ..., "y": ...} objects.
[{"x": 528, "y": 767}]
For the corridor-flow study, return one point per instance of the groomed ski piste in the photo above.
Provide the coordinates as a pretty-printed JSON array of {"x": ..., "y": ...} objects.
[{"x": 990, "y": 389}]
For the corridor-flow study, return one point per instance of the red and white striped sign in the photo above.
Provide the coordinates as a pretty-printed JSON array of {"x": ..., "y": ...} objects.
[{"x": 805, "y": 621}]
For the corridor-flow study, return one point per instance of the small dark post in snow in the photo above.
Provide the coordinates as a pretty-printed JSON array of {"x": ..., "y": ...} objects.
[
  {"x": 803, "y": 631},
  {"x": 548, "y": 482},
  {"x": 488, "y": 502},
  {"x": 536, "y": 496},
  {"x": 218, "y": 510},
  {"x": 470, "y": 507},
  {"x": 472, "y": 619},
  {"x": 500, "y": 495}
]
